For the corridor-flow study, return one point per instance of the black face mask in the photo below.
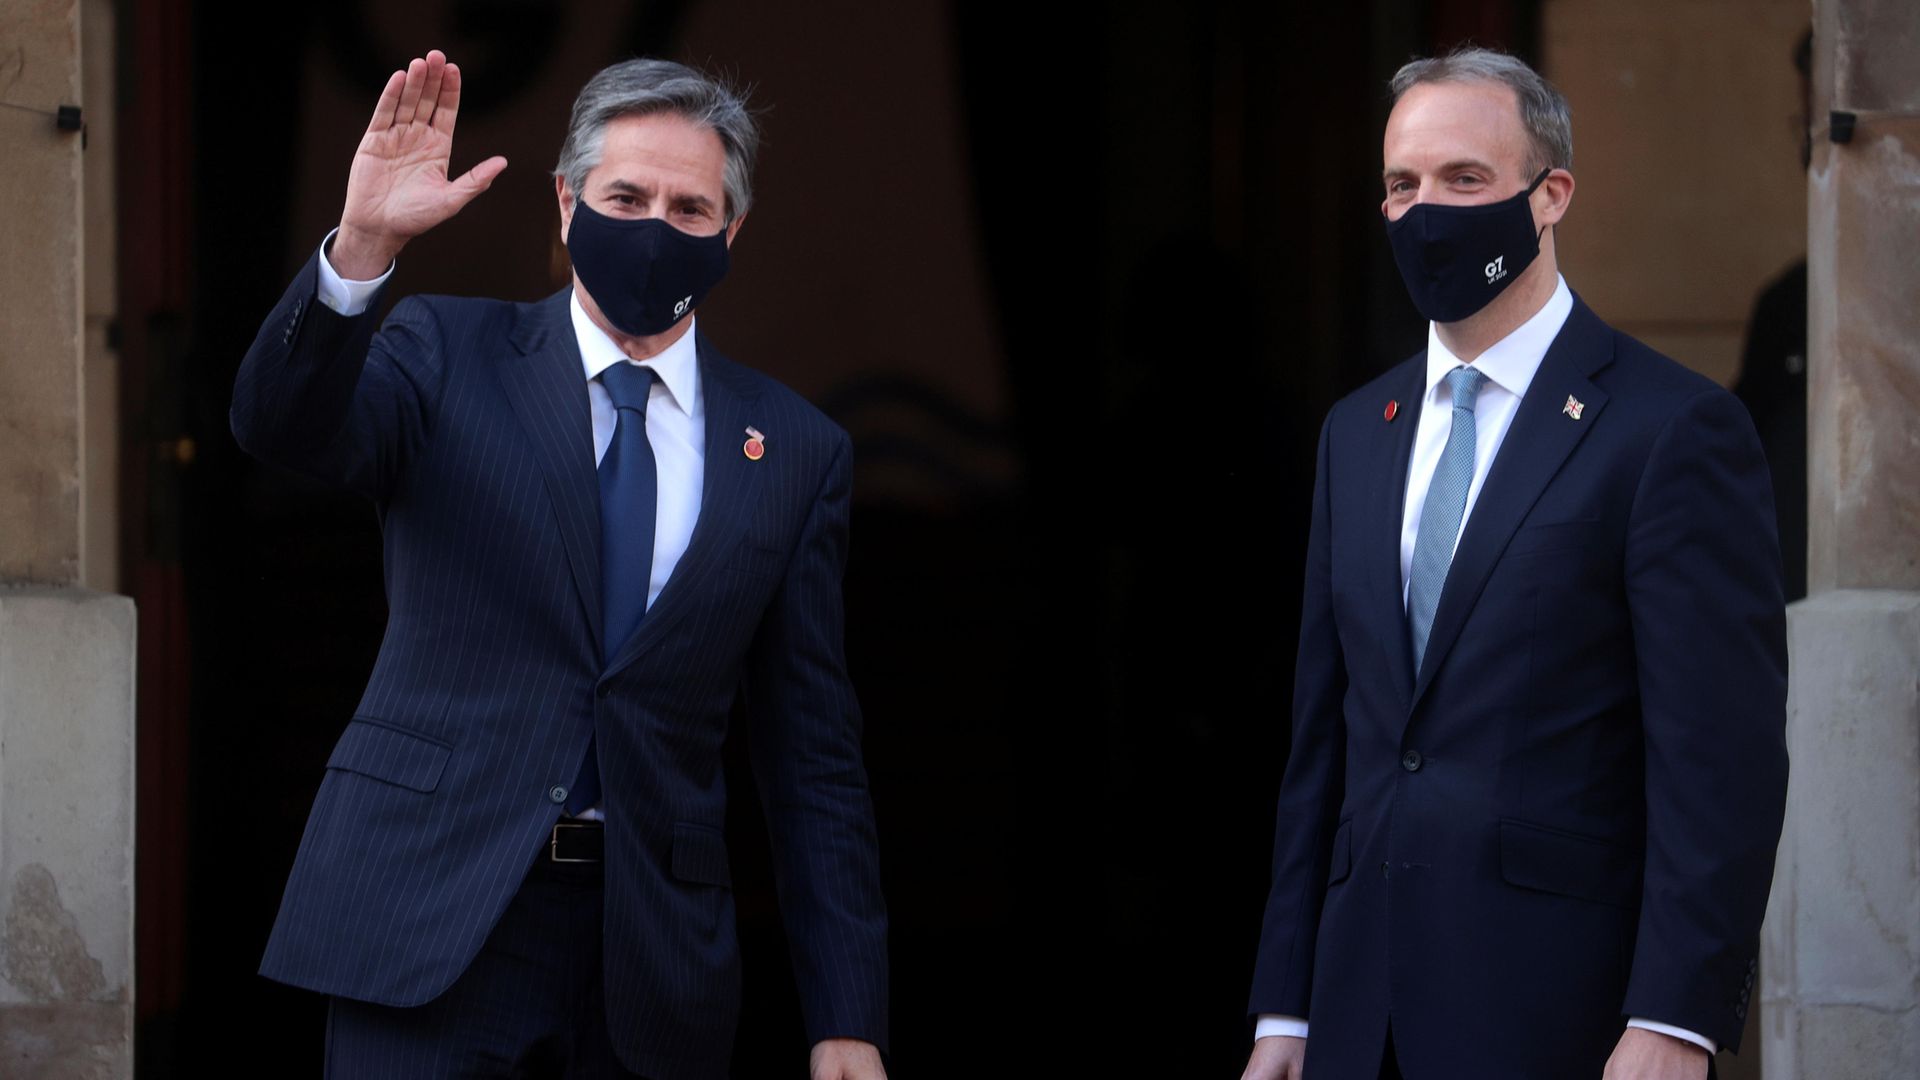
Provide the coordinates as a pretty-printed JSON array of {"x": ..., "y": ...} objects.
[
  {"x": 1456, "y": 259},
  {"x": 644, "y": 274}
]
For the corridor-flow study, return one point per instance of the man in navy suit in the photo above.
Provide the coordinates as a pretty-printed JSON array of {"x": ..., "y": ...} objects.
[
  {"x": 599, "y": 534},
  {"x": 1538, "y": 769}
]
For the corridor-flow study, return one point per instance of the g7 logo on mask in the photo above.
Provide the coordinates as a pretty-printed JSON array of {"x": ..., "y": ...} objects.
[
  {"x": 680, "y": 308},
  {"x": 1496, "y": 269}
]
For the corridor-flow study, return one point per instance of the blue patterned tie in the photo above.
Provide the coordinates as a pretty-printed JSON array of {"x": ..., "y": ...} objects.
[
  {"x": 628, "y": 488},
  {"x": 1441, "y": 513}
]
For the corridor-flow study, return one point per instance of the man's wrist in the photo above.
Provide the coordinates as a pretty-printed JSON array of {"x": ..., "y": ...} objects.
[
  {"x": 1269, "y": 1025},
  {"x": 361, "y": 256},
  {"x": 847, "y": 1058},
  {"x": 349, "y": 298},
  {"x": 1672, "y": 1031}
]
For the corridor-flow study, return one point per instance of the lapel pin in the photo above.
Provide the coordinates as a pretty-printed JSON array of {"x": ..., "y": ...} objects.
[
  {"x": 1393, "y": 410},
  {"x": 1573, "y": 407},
  {"x": 756, "y": 445}
]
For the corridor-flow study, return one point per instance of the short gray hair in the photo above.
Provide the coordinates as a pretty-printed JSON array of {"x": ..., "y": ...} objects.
[
  {"x": 1543, "y": 109},
  {"x": 642, "y": 87}
]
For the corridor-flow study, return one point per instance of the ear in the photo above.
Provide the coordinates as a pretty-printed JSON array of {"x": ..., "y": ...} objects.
[
  {"x": 733, "y": 230},
  {"x": 1551, "y": 199},
  {"x": 565, "y": 198}
]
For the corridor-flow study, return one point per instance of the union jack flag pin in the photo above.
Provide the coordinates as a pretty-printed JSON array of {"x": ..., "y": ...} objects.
[
  {"x": 756, "y": 445},
  {"x": 1573, "y": 407}
]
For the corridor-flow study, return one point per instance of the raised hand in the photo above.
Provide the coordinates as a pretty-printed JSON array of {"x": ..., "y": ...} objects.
[{"x": 398, "y": 187}]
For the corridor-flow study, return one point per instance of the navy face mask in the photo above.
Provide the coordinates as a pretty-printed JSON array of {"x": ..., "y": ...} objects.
[
  {"x": 1456, "y": 259},
  {"x": 644, "y": 274}
]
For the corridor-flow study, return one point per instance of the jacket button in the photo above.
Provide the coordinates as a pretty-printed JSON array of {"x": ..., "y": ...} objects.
[
  {"x": 1411, "y": 761},
  {"x": 557, "y": 794},
  {"x": 605, "y": 691}
]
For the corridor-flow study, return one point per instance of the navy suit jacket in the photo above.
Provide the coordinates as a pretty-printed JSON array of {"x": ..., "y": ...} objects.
[
  {"x": 466, "y": 422},
  {"x": 1567, "y": 816}
]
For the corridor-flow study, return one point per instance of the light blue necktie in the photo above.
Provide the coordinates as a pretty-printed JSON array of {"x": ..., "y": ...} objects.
[{"x": 1440, "y": 515}]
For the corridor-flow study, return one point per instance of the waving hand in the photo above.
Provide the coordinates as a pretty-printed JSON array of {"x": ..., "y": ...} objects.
[{"x": 398, "y": 187}]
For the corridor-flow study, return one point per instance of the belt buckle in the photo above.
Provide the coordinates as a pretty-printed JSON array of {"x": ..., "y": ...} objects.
[{"x": 553, "y": 844}]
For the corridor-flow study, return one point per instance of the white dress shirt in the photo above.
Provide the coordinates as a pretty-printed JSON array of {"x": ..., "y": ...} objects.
[
  {"x": 1509, "y": 365},
  {"x": 676, "y": 417},
  {"x": 676, "y": 426}
]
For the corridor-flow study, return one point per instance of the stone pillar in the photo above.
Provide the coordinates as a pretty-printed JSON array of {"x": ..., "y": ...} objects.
[
  {"x": 66, "y": 654},
  {"x": 66, "y": 834},
  {"x": 1840, "y": 991}
]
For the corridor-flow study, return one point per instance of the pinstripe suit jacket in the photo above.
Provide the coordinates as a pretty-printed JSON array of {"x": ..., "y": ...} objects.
[{"x": 466, "y": 422}]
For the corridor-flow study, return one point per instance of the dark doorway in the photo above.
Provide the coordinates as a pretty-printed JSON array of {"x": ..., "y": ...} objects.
[{"x": 1072, "y": 599}]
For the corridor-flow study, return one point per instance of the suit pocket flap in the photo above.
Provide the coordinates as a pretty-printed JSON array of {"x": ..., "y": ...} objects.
[
  {"x": 700, "y": 855},
  {"x": 1538, "y": 857},
  {"x": 386, "y": 753},
  {"x": 1342, "y": 853},
  {"x": 750, "y": 558},
  {"x": 1553, "y": 536}
]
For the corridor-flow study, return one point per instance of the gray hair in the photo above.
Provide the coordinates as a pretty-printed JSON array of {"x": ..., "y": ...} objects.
[
  {"x": 1543, "y": 109},
  {"x": 643, "y": 87}
]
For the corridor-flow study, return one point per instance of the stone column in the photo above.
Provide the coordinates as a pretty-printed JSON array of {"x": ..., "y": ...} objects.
[
  {"x": 66, "y": 654},
  {"x": 1840, "y": 995}
]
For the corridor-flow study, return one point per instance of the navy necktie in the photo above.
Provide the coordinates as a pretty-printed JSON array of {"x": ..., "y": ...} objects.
[
  {"x": 1440, "y": 515},
  {"x": 629, "y": 487}
]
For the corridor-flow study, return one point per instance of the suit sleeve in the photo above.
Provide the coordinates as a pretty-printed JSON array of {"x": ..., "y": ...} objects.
[
  {"x": 322, "y": 394},
  {"x": 804, "y": 741},
  {"x": 1314, "y": 782},
  {"x": 1709, "y": 632}
]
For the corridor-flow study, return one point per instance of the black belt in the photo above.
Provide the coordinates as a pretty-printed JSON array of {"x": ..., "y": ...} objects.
[{"x": 576, "y": 840}]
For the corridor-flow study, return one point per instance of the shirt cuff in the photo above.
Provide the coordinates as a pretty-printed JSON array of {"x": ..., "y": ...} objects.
[
  {"x": 1695, "y": 1038},
  {"x": 346, "y": 297},
  {"x": 1271, "y": 1024}
]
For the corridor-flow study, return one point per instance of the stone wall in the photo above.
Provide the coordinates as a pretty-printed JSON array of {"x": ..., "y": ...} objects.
[
  {"x": 66, "y": 653},
  {"x": 66, "y": 830},
  {"x": 40, "y": 187},
  {"x": 1690, "y": 195}
]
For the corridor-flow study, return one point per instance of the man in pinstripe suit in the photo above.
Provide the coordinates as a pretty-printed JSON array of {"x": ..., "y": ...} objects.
[{"x": 515, "y": 865}]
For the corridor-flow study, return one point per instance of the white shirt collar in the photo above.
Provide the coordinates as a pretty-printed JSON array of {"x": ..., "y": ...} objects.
[
  {"x": 677, "y": 367},
  {"x": 1511, "y": 362}
]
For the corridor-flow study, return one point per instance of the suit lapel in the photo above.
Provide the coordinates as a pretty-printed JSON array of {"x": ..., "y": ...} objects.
[
  {"x": 546, "y": 384},
  {"x": 729, "y": 482},
  {"x": 1386, "y": 511},
  {"x": 1537, "y": 444}
]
